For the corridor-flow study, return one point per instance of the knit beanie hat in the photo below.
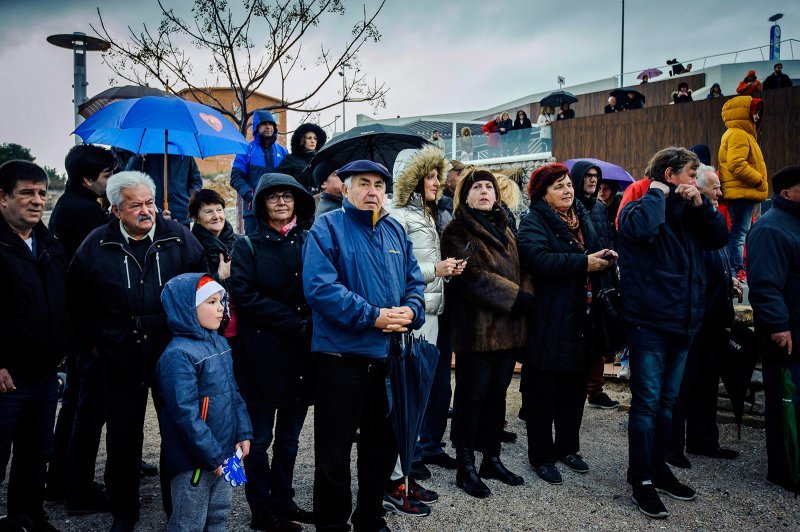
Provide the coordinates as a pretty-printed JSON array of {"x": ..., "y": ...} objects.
[
  {"x": 543, "y": 177},
  {"x": 786, "y": 177},
  {"x": 470, "y": 177},
  {"x": 206, "y": 288}
]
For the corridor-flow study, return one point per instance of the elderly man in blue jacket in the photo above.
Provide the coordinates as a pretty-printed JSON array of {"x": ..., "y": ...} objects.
[
  {"x": 362, "y": 282},
  {"x": 662, "y": 283}
]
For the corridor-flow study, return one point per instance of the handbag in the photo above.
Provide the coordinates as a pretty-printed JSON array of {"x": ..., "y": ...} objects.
[{"x": 609, "y": 325}]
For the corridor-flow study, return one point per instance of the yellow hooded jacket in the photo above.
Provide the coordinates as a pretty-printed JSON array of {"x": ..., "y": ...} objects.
[{"x": 742, "y": 170}]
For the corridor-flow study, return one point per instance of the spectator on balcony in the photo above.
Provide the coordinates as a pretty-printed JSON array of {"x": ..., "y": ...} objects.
[
  {"x": 633, "y": 100},
  {"x": 565, "y": 112},
  {"x": 545, "y": 133},
  {"x": 613, "y": 106},
  {"x": 683, "y": 94},
  {"x": 677, "y": 67},
  {"x": 437, "y": 141},
  {"x": 715, "y": 92},
  {"x": 645, "y": 79},
  {"x": 503, "y": 128},
  {"x": 522, "y": 121},
  {"x": 777, "y": 80},
  {"x": 492, "y": 136},
  {"x": 466, "y": 144},
  {"x": 749, "y": 86}
]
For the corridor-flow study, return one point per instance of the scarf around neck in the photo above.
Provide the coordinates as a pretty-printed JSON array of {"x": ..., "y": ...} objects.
[
  {"x": 286, "y": 228},
  {"x": 485, "y": 220},
  {"x": 570, "y": 218}
]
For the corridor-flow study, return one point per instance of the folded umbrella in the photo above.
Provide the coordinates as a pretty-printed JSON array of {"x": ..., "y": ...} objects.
[
  {"x": 412, "y": 362},
  {"x": 741, "y": 356},
  {"x": 611, "y": 172},
  {"x": 789, "y": 427},
  {"x": 558, "y": 98}
]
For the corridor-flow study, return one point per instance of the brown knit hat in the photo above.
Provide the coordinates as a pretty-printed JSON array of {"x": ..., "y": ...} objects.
[{"x": 543, "y": 177}]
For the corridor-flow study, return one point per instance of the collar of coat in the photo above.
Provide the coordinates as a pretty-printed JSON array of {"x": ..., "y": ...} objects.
[
  {"x": 497, "y": 215},
  {"x": 45, "y": 241},
  {"x": 366, "y": 217},
  {"x": 163, "y": 230},
  {"x": 554, "y": 221}
]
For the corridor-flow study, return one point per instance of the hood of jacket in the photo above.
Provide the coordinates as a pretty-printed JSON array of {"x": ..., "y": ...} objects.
[
  {"x": 737, "y": 113},
  {"x": 413, "y": 165},
  {"x": 297, "y": 138},
  {"x": 262, "y": 115},
  {"x": 304, "y": 204},
  {"x": 178, "y": 299},
  {"x": 577, "y": 174}
]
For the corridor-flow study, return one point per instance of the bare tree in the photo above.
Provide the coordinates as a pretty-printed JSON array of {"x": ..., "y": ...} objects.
[{"x": 152, "y": 55}]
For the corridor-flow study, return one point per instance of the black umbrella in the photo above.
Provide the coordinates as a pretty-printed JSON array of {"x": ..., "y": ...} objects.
[
  {"x": 622, "y": 95},
  {"x": 376, "y": 142},
  {"x": 739, "y": 360},
  {"x": 126, "y": 92},
  {"x": 412, "y": 362},
  {"x": 558, "y": 98}
]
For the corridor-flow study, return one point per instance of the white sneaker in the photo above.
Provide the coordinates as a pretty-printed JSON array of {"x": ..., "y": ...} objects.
[{"x": 625, "y": 372}]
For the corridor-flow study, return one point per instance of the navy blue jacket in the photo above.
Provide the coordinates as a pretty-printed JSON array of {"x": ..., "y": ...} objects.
[
  {"x": 197, "y": 364},
  {"x": 773, "y": 271},
  {"x": 662, "y": 274},
  {"x": 248, "y": 168},
  {"x": 352, "y": 268}
]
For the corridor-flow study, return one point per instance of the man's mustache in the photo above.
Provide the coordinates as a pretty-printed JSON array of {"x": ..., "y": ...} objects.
[{"x": 143, "y": 218}]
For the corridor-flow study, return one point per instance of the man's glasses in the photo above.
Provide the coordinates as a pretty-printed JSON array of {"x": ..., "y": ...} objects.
[
  {"x": 593, "y": 175},
  {"x": 287, "y": 197}
]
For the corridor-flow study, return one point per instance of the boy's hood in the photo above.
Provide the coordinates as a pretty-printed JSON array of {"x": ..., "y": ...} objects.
[{"x": 178, "y": 298}]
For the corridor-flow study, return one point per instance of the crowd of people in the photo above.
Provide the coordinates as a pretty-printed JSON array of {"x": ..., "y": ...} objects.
[{"x": 235, "y": 336}]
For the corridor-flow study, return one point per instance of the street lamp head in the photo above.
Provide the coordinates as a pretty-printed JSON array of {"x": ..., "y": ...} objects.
[{"x": 776, "y": 17}]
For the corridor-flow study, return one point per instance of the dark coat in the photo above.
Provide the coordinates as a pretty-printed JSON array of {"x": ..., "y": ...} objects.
[
  {"x": 565, "y": 114},
  {"x": 75, "y": 215},
  {"x": 662, "y": 274},
  {"x": 773, "y": 271},
  {"x": 213, "y": 246},
  {"x": 184, "y": 178},
  {"x": 34, "y": 321},
  {"x": 719, "y": 312},
  {"x": 480, "y": 299},
  {"x": 328, "y": 203},
  {"x": 119, "y": 300},
  {"x": 296, "y": 164},
  {"x": 507, "y": 124},
  {"x": 548, "y": 252},
  {"x": 273, "y": 320},
  {"x": 525, "y": 123},
  {"x": 777, "y": 81},
  {"x": 197, "y": 365}
]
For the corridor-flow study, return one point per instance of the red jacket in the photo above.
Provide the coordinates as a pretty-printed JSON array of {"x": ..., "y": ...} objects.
[
  {"x": 632, "y": 193},
  {"x": 490, "y": 128}
]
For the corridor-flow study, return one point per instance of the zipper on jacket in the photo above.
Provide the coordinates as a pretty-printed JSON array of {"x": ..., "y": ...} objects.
[
  {"x": 127, "y": 272},
  {"x": 158, "y": 268}
]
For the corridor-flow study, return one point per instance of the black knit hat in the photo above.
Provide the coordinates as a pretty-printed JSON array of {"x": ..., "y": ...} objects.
[
  {"x": 322, "y": 171},
  {"x": 786, "y": 177},
  {"x": 470, "y": 177}
]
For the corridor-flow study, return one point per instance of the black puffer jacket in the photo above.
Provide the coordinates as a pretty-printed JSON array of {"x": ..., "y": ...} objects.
[
  {"x": 34, "y": 321},
  {"x": 273, "y": 319},
  {"x": 549, "y": 254},
  {"x": 296, "y": 164},
  {"x": 119, "y": 300},
  {"x": 598, "y": 215}
]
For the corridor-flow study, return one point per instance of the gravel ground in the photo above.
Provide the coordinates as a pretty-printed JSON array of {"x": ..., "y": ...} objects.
[{"x": 732, "y": 495}]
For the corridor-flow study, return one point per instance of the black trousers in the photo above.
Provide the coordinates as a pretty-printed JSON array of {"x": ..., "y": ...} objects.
[
  {"x": 479, "y": 401},
  {"x": 350, "y": 395},
  {"x": 553, "y": 400},
  {"x": 694, "y": 416}
]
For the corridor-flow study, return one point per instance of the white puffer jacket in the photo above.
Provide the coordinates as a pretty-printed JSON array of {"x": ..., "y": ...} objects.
[{"x": 407, "y": 208}]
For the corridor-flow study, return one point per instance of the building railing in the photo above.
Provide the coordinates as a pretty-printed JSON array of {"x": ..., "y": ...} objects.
[{"x": 479, "y": 146}]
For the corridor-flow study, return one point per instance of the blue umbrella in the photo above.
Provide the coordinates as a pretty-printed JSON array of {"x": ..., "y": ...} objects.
[
  {"x": 412, "y": 362},
  {"x": 611, "y": 172},
  {"x": 154, "y": 124}
]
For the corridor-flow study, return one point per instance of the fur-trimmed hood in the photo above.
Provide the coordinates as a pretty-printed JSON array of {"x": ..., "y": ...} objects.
[
  {"x": 411, "y": 166},
  {"x": 299, "y": 133}
]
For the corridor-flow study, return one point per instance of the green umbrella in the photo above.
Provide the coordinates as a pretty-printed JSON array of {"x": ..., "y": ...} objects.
[{"x": 789, "y": 427}]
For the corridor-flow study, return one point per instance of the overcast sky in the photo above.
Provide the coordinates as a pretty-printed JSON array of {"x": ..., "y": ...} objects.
[{"x": 435, "y": 56}]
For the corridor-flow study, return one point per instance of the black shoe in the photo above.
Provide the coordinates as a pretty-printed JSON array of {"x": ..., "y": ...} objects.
[
  {"x": 549, "y": 474},
  {"x": 443, "y": 460},
  {"x": 44, "y": 525},
  {"x": 466, "y": 477},
  {"x": 54, "y": 494},
  {"x": 718, "y": 452},
  {"x": 575, "y": 462},
  {"x": 647, "y": 500},
  {"x": 672, "y": 487},
  {"x": 147, "y": 470},
  {"x": 123, "y": 524},
  {"x": 506, "y": 436},
  {"x": 96, "y": 502},
  {"x": 419, "y": 471},
  {"x": 679, "y": 461},
  {"x": 450, "y": 413},
  {"x": 297, "y": 514},
  {"x": 269, "y": 521},
  {"x": 492, "y": 467},
  {"x": 603, "y": 401}
]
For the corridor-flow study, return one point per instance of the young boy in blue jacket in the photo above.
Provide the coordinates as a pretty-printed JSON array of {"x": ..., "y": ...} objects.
[{"x": 204, "y": 420}]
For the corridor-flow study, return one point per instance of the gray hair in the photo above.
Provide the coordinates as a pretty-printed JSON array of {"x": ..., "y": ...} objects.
[
  {"x": 702, "y": 178},
  {"x": 123, "y": 180}
]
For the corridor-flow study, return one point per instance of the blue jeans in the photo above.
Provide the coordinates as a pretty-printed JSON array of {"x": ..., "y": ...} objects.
[
  {"x": 657, "y": 361},
  {"x": 27, "y": 416},
  {"x": 272, "y": 485},
  {"x": 741, "y": 214}
]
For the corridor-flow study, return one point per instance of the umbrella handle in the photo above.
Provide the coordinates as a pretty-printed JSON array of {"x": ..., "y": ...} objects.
[{"x": 166, "y": 170}]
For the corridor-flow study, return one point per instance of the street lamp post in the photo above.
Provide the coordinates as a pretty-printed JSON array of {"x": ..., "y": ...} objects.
[{"x": 344, "y": 95}]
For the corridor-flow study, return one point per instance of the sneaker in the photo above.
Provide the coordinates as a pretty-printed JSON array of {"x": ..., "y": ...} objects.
[
  {"x": 397, "y": 502},
  {"x": 602, "y": 400},
  {"x": 673, "y": 488},
  {"x": 576, "y": 463},
  {"x": 418, "y": 493},
  {"x": 549, "y": 474},
  {"x": 419, "y": 471},
  {"x": 624, "y": 372},
  {"x": 647, "y": 500},
  {"x": 443, "y": 460},
  {"x": 679, "y": 460}
]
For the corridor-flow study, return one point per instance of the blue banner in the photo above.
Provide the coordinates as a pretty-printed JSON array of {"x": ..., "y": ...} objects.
[{"x": 775, "y": 43}]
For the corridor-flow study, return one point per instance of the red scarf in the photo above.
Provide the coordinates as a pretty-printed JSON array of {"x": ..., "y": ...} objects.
[{"x": 286, "y": 228}]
